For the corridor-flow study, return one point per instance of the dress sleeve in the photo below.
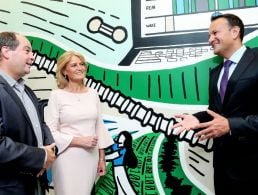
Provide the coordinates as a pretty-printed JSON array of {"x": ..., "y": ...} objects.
[
  {"x": 53, "y": 121},
  {"x": 104, "y": 138}
]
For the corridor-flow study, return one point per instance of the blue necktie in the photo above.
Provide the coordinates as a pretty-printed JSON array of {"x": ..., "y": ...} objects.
[{"x": 224, "y": 79}]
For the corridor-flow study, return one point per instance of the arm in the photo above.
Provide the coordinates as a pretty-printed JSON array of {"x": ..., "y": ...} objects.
[
  {"x": 47, "y": 136},
  {"x": 14, "y": 153},
  {"x": 86, "y": 142},
  {"x": 102, "y": 163},
  {"x": 112, "y": 156},
  {"x": 238, "y": 117},
  {"x": 244, "y": 126},
  {"x": 18, "y": 155},
  {"x": 52, "y": 120},
  {"x": 104, "y": 138}
]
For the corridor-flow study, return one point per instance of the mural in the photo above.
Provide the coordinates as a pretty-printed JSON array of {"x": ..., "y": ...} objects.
[{"x": 148, "y": 60}]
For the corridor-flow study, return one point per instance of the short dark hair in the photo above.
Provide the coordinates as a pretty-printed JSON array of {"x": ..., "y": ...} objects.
[
  {"x": 8, "y": 39},
  {"x": 233, "y": 20}
]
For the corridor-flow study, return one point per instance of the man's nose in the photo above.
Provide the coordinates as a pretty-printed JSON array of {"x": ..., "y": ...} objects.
[
  {"x": 32, "y": 57},
  {"x": 210, "y": 39}
]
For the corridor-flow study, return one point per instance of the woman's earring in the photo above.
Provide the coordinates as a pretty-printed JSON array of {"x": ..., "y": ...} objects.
[{"x": 66, "y": 78}]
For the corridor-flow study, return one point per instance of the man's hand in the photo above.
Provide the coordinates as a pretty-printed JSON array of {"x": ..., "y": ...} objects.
[
  {"x": 188, "y": 122},
  {"x": 216, "y": 128},
  {"x": 50, "y": 152}
]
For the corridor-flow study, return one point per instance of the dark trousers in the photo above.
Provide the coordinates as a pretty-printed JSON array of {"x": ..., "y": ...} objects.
[{"x": 230, "y": 186}]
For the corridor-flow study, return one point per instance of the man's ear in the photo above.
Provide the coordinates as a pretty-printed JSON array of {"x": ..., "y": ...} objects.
[
  {"x": 236, "y": 32},
  {"x": 5, "y": 52}
]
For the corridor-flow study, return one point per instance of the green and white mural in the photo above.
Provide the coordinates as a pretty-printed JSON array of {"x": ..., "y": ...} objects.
[{"x": 148, "y": 60}]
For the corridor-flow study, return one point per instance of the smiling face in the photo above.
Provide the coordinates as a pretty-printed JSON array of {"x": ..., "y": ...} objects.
[
  {"x": 19, "y": 60},
  {"x": 223, "y": 38},
  {"x": 75, "y": 70}
]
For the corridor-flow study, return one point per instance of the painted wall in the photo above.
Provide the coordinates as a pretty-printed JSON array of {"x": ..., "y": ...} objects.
[{"x": 148, "y": 60}]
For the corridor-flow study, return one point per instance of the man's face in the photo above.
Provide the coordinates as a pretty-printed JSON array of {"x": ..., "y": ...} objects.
[
  {"x": 21, "y": 58},
  {"x": 221, "y": 37}
]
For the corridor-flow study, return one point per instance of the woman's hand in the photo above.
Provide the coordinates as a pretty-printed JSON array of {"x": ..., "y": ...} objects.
[
  {"x": 101, "y": 167},
  {"x": 86, "y": 142}
]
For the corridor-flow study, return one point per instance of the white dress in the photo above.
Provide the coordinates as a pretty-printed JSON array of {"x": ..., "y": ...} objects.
[{"x": 69, "y": 115}]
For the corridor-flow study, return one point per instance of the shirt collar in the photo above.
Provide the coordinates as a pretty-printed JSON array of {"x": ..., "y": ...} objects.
[
  {"x": 12, "y": 82},
  {"x": 235, "y": 58}
]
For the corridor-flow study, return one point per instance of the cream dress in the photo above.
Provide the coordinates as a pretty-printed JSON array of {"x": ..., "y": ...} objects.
[{"x": 69, "y": 115}]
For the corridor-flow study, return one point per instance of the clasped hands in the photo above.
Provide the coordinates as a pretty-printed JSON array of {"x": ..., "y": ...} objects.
[
  {"x": 217, "y": 127},
  {"x": 51, "y": 156}
]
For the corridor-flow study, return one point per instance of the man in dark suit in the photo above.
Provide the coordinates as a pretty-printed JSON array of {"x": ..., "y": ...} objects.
[
  {"x": 26, "y": 144},
  {"x": 232, "y": 115}
]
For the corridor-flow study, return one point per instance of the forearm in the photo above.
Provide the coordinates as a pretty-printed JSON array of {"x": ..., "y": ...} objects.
[
  {"x": 244, "y": 126},
  {"x": 101, "y": 155},
  {"x": 86, "y": 142},
  {"x": 48, "y": 138},
  {"x": 22, "y": 156},
  {"x": 76, "y": 142}
]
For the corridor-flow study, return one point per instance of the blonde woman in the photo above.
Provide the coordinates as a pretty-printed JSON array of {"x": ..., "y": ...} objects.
[{"x": 74, "y": 118}]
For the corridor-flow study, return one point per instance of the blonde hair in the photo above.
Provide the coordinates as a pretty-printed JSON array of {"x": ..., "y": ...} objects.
[{"x": 62, "y": 62}]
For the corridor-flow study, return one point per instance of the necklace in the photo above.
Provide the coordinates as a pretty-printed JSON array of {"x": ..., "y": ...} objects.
[{"x": 77, "y": 94}]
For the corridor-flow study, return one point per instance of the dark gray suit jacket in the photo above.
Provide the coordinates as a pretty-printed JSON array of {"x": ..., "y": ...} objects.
[{"x": 20, "y": 158}]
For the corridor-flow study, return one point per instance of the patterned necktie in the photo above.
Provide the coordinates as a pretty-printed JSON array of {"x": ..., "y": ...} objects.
[{"x": 224, "y": 79}]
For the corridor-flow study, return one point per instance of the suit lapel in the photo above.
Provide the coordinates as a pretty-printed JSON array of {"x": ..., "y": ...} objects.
[
  {"x": 241, "y": 67},
  {"x": 16, "y": 99},
  {"x": 215, "y": 92}
]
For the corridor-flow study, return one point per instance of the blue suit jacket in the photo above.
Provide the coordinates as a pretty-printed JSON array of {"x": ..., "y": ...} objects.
[{"x": 20, "y": 158}]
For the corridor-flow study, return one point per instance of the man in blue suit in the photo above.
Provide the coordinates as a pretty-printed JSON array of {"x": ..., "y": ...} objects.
[
  {"x": 26, "y": 144},
  {"x": 232, "y": 116}
]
